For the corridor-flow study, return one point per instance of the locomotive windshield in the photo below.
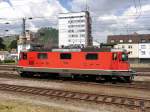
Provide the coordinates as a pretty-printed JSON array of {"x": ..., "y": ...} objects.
[{"x": 124, "y": 57}]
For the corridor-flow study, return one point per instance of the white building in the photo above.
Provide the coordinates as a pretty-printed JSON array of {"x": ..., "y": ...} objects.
[
  {"x": 144, "y": 50},
  {"x": 25, "y": 42},
  {"x": 74, "y": 29},
  {"x": 4, "y": 55},
  {"x": 133, "y": 49},
  {"x": 137, "y": 44}
]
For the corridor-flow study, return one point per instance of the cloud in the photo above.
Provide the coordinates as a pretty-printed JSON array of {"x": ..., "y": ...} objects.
[
  {"x": 108, "y": 16},
  {"x": 48, "y": 9},
  {"x": 116, "y": 16}
]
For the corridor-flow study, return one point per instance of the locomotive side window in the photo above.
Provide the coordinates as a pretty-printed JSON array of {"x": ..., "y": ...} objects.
[
  {"x": 115, "y": 56},
  {"x": 92, "y": 56},
  {"x": 65, "y": 56},
  {"x": 24, "y": 56},
  {"x": 42, "y": 56}
]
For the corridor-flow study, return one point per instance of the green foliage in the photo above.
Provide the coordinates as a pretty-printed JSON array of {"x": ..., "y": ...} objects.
[
  {"x": 9, "y": 61},
  {"x": 2, "y": 46},
  {"x": 8, "y": 40},
  {"x": 13, "y": 44},
  {"x": 48, "y": 36}
]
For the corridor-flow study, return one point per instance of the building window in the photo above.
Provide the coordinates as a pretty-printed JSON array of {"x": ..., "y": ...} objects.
[
  {"x": 143, "y": 52},
  {"x": 92, "y": 56},
  {"x": 65, "y": 56},
  {"x": 123, "y": 46},
  {"x": 70, "y": 31},
  {"x": 143, "y": 40},
  {"x": 130, "y": 46},
  {"x": 130, "y": 52},
  {"x": 143, "y": 46},
  {"x": 42, "y": 56},
  {"x": 73, "y": 35},
  {"x": 81, "y": 30},
  {"x": 130, "y": 41},
  {"x": 82, "y": 35},
  {"x": 112, "y": 41},
  {"x": 121, "y": 41}
]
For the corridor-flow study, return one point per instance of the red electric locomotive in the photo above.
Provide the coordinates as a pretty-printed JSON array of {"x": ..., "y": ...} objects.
[{"x": 98, "y": 62}]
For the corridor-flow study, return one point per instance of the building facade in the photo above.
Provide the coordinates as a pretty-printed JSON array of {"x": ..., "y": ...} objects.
[
  {"x": 75, "y": 29},
  {"x": 25, "y": 42},
  {"x": 4, "y": 55},
  {"x": 131, "y": 48},
  {"x": 137, "y": 44}
]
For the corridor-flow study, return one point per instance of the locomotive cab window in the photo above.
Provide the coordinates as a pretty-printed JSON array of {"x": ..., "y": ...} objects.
[
  {"x": 42, "y": 56},
  {"x": 91, "y": 56},
  {"x": 114, "y": 56},
  {"x": 124, "y": 57},
  {"x": 65, "y": 56}
]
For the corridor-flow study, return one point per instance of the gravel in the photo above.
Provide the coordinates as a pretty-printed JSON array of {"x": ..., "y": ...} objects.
[{"x": 95, "y": 89}]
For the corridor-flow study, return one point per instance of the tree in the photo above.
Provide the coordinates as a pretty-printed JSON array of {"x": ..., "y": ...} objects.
[
  {"x": 13, "y": 44},
  {"x": 48, "y": 37},
  {"x": 2, "y": 46}
]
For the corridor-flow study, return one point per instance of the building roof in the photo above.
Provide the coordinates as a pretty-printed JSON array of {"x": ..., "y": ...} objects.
[{"x": 136, "y": 38}]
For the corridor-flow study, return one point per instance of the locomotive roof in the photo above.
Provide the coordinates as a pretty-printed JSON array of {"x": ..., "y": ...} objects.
[{"x": 79, "y": 50}]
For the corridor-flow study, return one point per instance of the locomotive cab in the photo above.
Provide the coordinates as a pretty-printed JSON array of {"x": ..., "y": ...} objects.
[{"x": 120, "y": 65}]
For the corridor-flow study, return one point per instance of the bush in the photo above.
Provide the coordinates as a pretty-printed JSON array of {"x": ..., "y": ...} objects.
[{"x": 9, "y": 61}]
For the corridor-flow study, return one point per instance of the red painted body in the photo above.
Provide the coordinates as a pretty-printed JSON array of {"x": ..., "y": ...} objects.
[{"x": 78, "y": 61}]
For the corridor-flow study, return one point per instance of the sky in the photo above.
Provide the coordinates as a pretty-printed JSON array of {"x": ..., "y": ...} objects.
[{"x": 109, "y": 17}]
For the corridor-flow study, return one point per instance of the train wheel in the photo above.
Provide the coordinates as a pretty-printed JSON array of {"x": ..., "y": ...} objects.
[
  {"x": 26, "y": 74},
  {"x": 128, "y": 79},
  {"x": 23, "y": 74},
  {"x": 108, "y": 78}
]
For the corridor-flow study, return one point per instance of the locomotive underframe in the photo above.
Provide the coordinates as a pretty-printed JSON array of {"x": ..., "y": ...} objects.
[{"x": 78, "y": 71}]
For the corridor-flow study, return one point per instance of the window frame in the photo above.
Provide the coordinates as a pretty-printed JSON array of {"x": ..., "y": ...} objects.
[
  {"x": 88, "y": 55},
  {"x": 43, "y": 58},
  {"x": 63, "y": 56}
]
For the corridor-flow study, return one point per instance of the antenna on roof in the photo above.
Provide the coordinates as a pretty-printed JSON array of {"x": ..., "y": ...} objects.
[{"x": 86, "y": 5}]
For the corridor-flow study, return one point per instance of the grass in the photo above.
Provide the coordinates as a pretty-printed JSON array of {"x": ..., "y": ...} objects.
[{"x": 14, "y": 106}]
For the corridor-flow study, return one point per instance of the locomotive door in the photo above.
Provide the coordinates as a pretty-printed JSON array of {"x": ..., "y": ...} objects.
[
  {"x": 115, "y": 61},
  {"x": 31, "y": 60}
]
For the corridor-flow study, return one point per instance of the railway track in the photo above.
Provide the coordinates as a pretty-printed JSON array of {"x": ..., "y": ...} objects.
[
  {"x": 140, "y": 103},
  {"x": 141, "y": 69},
  {"x": 133, "y": 85},
  {"x": 8, "y": 67}
]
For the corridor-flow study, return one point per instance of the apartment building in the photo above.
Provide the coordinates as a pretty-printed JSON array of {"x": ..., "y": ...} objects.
[
  {"x": 137, "y": 44},
  {"x": 75, "y": 29}
]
